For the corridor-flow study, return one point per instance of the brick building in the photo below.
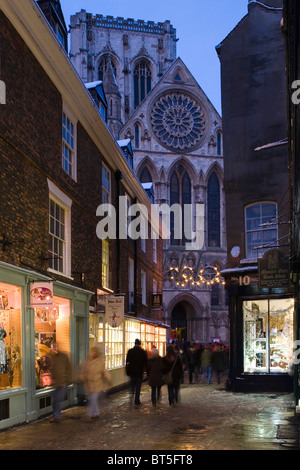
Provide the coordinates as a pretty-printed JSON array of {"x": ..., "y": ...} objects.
[
  {"x": 257, "y": 189},
  {"x": 59, "y": 164}
]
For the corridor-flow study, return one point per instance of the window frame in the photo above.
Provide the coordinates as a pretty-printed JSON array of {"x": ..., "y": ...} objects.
[
  {"x": 63, "y": 201},
  {"x": 259, "y": 253},
  {"x": 71, "y": 148},
  {"x": 104, "y": 190}
]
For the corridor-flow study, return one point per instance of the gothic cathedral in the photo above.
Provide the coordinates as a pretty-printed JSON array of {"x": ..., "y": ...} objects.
[{"x": 176, "y": 136}]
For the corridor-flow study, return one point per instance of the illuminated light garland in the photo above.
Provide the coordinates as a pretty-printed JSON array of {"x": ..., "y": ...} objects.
[{"x": 188, "y": 276}]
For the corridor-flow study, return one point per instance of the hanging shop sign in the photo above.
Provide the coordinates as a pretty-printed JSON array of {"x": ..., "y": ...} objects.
[
  {"x": 41, "y": 294},
  {"x": 274, "y": 270},
  {"x": 114, "y": 310},
  {"x": 156, "y": 301}
]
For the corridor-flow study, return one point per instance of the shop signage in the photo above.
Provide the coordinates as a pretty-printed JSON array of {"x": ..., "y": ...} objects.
[
  {"x": 114, "y": 310},
  {"x": 41, "y": 294},
  {"x": 157, "y": 301},
  {"x": 274, "y": 270}
]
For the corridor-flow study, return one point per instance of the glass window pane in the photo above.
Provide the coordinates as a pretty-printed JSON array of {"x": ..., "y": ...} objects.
[{"x": 10, "y": 337}]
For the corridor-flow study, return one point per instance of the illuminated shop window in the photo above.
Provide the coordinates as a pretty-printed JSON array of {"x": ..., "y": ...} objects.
[
  {"x": 132, "y": 332},
  {"x": 10, "y": 337},
  {"x": 50, "y": 326},
  {"x": 268, "y": 335},
  {"x": 114, "y": 346}
]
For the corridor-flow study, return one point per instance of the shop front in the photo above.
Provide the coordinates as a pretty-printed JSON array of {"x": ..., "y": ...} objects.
[
  {"x": 261, "y": 333},
  {"x": 116, "y": 341},
  {"x": 28, "y": 337}
]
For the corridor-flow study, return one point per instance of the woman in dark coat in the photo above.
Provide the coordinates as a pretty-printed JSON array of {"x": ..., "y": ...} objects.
[
  {"x": 177, "y": 373},
  {"x": 154, "y": 371}
]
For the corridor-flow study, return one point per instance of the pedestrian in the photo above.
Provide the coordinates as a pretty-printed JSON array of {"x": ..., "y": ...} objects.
[
  {"x": 218, "y": 361},
  {"x": 197, "y": 361},
  {"x": 136, "y": 365},
  {"x": 155, "y": 374},
  {"x": 206, "y": 364},
  {"x": 172, "y": 361},
  {"x": 191, "y": 357},
  {"x": 61, "y": 377},
  {"x": 95, "y": 379}
]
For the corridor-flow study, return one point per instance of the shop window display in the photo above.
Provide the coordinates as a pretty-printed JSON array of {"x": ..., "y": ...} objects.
[
  {"x": 10, "y": 337},
  {"x": 268, "y": 335},
  {"x": 114, "y": 346},
  {"x": 51, "y": 326}
]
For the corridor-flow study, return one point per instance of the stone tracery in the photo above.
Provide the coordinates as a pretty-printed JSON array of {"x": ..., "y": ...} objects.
[{"x": 178, "y": 121}]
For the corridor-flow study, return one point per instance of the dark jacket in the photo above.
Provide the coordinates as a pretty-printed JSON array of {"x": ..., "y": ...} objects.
[
  {"x": 218, "y": 360},
  {"x": 155, "y": 371},
  {"x": 136, "y": 362},
  {"x": 168, "y": 362}
]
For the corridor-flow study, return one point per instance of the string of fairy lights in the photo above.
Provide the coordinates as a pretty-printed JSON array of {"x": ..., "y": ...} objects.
[{"x": 187, "y": 276}]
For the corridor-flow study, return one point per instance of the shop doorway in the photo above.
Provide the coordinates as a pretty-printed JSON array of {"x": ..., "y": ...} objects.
[{"x": 179, "y": 322}]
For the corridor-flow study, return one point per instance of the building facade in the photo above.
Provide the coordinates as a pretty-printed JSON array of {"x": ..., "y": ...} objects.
[
  {"x": 256, "y": 181},
  {"x": 176, "y": 137},
  {"x": 291, "y": 30},
  {"x": 60, "y": 165}
]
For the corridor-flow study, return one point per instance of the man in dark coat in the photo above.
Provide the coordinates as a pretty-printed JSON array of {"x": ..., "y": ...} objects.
[{"x": 136, "y": 365}]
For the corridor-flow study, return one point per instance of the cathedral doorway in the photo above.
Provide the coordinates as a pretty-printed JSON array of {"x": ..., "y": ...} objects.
[{"x": 179, "y": 322}]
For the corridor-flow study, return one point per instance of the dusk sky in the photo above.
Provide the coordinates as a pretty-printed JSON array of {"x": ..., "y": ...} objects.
[{"x": 200, "y": 26}]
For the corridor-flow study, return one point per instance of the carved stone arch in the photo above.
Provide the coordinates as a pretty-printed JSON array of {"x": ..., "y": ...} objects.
[
  {"x": 215, "y": 320},
  {"x": 218, "y": 170},
  {"x": 190, "y": 299},
  {"x": 108, "y": 53},
  {"x": 188, "y": 167},
  {"x": 148, "y": 163}
]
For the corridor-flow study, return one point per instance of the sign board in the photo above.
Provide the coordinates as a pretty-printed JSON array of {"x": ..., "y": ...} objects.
[
  {"x": 274, "y": 270},
  {"x": 114, "y": 310},
  {"x": 157, "y": 301},
  {"x": 41, "y": 294}
]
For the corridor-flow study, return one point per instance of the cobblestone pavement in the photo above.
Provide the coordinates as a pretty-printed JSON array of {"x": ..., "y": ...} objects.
[{"x": 207, "y": 418}]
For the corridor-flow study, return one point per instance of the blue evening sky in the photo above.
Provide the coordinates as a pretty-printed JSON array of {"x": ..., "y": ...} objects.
[{"x": 200, "y": 26}]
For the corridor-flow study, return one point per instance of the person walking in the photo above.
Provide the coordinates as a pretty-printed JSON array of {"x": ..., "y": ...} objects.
[
  {"x": 218, "y": 361},
  {"x": 95, "y": 378},
  {"x": 206, "y": 364},
  {"x": 136, "y": 365},
  {"x": 172, "y": 361},
  {"x": 61, "y": 377},
  {"x": 155, "y": 375}
]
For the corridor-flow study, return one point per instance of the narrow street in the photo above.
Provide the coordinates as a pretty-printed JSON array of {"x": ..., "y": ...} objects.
[{"x": 207, "y": 418}]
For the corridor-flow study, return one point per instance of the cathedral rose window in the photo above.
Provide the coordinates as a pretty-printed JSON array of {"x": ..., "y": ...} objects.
[{"x": 178, "y": 121}]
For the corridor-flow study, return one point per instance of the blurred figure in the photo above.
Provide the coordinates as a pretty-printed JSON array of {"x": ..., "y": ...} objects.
[
  {"x": 61, "y": 376},
  {"x": 95, "y": 378},
  {"x": 154, "y": 372},
  {"x": 172, "y": 360},
  {"x": 206, "y": 363},
  {"x": 136, "y": 365},
  {"x": 218, "y": 361}
]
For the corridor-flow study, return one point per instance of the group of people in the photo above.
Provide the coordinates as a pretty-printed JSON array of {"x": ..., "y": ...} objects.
[
  {"x": 204, "y": 360},
  {"x": 92, "y": 374},
  {"x": 167, "y": 370},
  {"x": 158, "y": 370}
]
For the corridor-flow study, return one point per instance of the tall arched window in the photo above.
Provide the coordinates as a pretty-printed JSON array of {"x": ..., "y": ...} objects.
[
  {"x": 145, "y": 176},
  {"x": 219, "y": 143},
  {"x": 180, "y": 193},
  {"x": 137, "y": 136},
  {"x": 213, "y": 211},
  {"x": 104, "y": 64},
  {"x": 142, "y": 82}
]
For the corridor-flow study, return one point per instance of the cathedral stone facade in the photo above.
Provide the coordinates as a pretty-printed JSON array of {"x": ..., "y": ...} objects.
[{"x": 176, "y": 137}]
